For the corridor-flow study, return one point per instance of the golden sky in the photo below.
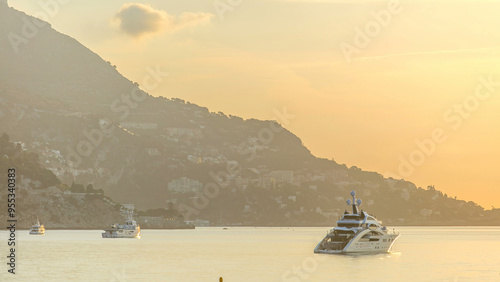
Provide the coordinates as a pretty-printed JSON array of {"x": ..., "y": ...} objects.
[{"x": 410, "y": 89}]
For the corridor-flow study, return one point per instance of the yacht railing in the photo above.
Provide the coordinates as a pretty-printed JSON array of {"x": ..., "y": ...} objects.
[{"x": 392, "y": 231}]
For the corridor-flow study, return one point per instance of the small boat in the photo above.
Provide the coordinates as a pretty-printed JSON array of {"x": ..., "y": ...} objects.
[
  {"x": 128, "y": 230},
  {"x": 357, "y": 232},
  {"x": 37, "y": 229}
]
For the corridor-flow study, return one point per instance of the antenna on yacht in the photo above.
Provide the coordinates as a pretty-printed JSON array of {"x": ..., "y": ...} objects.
[{"x": 355, "y": 203}]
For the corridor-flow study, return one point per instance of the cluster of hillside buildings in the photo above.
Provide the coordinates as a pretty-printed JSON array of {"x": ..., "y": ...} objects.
[{"x": 269, "y": 180}]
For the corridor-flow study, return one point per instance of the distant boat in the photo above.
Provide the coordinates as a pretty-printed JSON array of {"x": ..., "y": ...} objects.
[
  {"x": 37, "y": 229},
  {"x": 128, "y": 230},
  {"x": 357, "y": 232}
]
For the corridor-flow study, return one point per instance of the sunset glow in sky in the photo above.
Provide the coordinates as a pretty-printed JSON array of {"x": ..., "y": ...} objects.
[{"x": 410, "y": 89}]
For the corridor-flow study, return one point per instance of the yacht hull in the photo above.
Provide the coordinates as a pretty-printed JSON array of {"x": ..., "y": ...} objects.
[
  {"x": 121, "y": 234},
  {"x": 383, "y": 245},
  {"x": 37, "y": 233}
]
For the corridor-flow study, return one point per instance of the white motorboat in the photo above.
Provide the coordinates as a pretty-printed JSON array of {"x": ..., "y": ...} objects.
[
  {"x": 37, "y": 229},
  {"x": 128, "y": 230},
  {"x": 357, "y": 232}
]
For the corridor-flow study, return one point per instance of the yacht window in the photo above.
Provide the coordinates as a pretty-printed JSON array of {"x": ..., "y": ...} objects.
[{"x": 348, "y": 224}]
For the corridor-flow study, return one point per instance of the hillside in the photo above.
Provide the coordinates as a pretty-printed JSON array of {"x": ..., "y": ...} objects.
[
  {"x": 40, "y": 195},
  {"x": 65, "y": 103}
]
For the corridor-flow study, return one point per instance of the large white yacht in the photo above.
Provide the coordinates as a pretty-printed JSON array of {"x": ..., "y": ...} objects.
[
  {"x": 357, "y": 232},
  {"x": 128, "y": 230},
  {"x": 37, "y": 229}
]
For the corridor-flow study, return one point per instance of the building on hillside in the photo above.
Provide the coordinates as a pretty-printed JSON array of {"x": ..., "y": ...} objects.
[
  {"x": 184, "y": 184},
  {"x": 140, "y": 125},
  {"x": 282, "y": 176},
  {"x": 128, "y": 207}
]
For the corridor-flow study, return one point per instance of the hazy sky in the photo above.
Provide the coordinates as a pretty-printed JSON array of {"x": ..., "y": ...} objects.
[{"x": 364, "y": 79}]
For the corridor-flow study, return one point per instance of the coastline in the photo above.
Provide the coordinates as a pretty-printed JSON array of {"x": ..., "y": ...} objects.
[{"x": 265, "y": 226}]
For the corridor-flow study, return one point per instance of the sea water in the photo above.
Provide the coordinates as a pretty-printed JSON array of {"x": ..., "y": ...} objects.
[{"x": 251, "y": 254}]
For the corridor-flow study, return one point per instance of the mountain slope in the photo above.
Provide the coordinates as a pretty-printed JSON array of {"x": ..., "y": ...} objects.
[
  {"x": 40, "y": 195},
  {"x": 66, "y": 103},
  {"x": 36, "y": 59}
]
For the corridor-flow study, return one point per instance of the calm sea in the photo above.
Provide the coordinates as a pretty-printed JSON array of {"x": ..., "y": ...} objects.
[{"x": 252, "y": 254}]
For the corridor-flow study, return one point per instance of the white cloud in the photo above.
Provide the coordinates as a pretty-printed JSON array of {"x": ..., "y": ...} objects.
[{"x": 137, "y": 20}]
